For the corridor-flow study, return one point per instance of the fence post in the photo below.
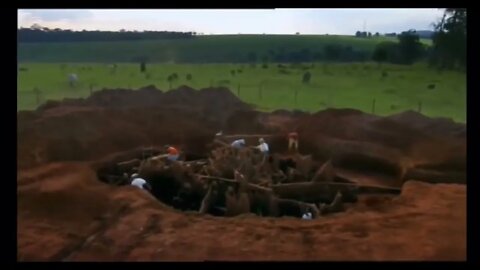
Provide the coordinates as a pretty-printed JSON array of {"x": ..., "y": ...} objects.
[
  {"x": 373, "y": 106},
  {"x": 420, "y": 106},
  {"x": 238, "y": 91},
  {"x": 260, "y": 91},
  {"x": 36, "y": 91}
]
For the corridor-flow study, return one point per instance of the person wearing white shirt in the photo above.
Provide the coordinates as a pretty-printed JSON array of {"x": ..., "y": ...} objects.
[
  {"x": 263, "y": 146},
  {"x": 307, "y": 215},
  {"x": 238, "y": 143},
  {"x": 139, "y": 182}
]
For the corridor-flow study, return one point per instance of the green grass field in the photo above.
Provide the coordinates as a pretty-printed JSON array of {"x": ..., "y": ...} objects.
[
  {"x": 332, "y": 85},
  {"x": 215, "y": 48}
]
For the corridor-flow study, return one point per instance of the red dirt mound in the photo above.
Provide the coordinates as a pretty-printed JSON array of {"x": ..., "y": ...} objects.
[
  {"x": 220, "y": 99},
  {"x": 439, "y": 126},
  {"x": 91, "y": 134},
  {"x": 388, "y": 142},
  {"x": 65, "y": 214},
  {"x": 115, "y": 120}
]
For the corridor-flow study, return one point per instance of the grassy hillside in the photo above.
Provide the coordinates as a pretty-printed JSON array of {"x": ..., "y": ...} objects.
[
  {"x": 217, "y": 49},
  {"x": 351, "y": 85}
]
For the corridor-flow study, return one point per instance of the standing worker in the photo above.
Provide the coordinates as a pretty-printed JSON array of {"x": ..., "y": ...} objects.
[
  {"x": 172, "y": 153},
  {"x": 263, "y": 147},
  {"x": 293, "y": 141}
]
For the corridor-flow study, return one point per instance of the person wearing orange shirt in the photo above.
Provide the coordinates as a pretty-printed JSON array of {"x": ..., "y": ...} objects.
[{"x": 172, "y": 153}]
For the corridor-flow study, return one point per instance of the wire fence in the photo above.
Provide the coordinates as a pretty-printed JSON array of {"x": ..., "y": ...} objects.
[{"x": 263, "y": 95}]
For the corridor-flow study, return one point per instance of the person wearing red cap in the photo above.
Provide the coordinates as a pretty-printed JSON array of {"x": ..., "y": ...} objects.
[{"x": 172, "y": 153}]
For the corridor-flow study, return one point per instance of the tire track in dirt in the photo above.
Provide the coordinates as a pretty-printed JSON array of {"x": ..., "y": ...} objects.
[
  {"x": 150, "y": 227},
  {"x": 69, "y": 252}
]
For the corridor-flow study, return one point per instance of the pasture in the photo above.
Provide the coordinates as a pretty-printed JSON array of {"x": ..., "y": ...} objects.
[{"x": 394, "y": 88}]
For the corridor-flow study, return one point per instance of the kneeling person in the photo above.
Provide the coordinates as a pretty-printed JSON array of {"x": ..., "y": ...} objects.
[
  {"x": 140, "y": 182},
  {"x": 238, "y": 144}
]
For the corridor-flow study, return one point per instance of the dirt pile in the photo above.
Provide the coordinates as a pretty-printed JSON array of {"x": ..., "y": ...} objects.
[
  {"x": 439, "y": 126},
  {"x": 355, "y": 138},
  {"x": 65, "y": 214},
  {"x": 116, "y": 120},
  {"x": 210, "y": 101}
]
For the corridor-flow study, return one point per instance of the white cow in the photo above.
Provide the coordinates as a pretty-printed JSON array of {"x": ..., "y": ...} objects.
[{"x": 72, "y": 79}]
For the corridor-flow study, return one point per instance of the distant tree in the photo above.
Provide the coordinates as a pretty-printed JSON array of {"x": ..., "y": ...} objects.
[
  {"x": 297, "y": 33},
  {"x": 450, "y": 40},
  {"x": 369, "y": 34},
  {"x": 252, "y": 57},
  {"x": 306, "y": 77},
  {"x": 170, "y": 80},
  {"x": 387, "y": 51},
  {"x": 143, "y": 67},
  {"x": 265, "y": 66},
  {"x": 232, "y": 72},
  {"x": 189, "y": 77},
  {"x": 377, "y": 34},
  {"x": 410, "y": 47},
  {"x": 332, "y": 51},
  {"x": 358, "y": 34},
  {"x": 380, "y": 54}
]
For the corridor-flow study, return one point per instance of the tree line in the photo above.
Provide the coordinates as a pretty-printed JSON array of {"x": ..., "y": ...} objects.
[
  {"x": 37, "y": 33},
  {"x": 447, "y": 52}
]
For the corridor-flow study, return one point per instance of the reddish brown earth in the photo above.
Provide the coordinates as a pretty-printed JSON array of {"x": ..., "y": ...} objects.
[{"x": 65, "y": 213}]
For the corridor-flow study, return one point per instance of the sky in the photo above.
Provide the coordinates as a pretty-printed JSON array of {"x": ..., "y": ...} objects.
[{"x": 235, "y": 21}]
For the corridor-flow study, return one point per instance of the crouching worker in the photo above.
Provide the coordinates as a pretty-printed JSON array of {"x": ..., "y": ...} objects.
[
  {"x": 307, "y": 215},
  {"x": 238, "y": 144},
  {"x": 140, "y": 182},
  {"x": 172, "y": 153}
]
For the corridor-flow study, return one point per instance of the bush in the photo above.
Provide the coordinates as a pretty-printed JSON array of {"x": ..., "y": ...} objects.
[{"x": 306, "y": 77}]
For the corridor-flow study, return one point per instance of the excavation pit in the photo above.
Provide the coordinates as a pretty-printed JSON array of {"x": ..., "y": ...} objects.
[{"x": 210, "y": 185}]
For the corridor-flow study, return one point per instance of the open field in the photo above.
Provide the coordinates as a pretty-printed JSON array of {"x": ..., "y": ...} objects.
[{"x": 353, "y": 85}]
